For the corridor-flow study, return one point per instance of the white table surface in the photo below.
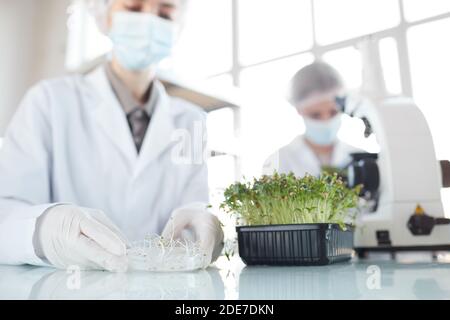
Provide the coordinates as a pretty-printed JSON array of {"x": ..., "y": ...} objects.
[{"x": 407, "y": 277}]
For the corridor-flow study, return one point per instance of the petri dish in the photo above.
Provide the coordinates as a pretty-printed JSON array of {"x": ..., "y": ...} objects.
[{"x": 156, "y": 254}]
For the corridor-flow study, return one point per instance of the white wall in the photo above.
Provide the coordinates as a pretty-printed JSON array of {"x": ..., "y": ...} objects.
[{"x": 32, "y": 46}]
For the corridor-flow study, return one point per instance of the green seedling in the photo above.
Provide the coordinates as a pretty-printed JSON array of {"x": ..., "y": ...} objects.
[{"x": 286, "y": 199}]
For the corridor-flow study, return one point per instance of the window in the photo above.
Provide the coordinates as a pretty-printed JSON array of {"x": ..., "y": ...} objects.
[
  {"x": 345, "y": 19},
  {"x": 272, "y": 78},
  {"x": 220, "y": 126},
  {"x": 419, "y": 9},
  {"x": 270, "y": 29},
  {"x": 347, "y": 62},
  {"x": 205, "y": 51},
  {"x": 221, "y": 81},
  {"x": 430, "y": 67}
]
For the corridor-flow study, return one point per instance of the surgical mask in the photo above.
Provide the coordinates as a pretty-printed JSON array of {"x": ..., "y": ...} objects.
[
  {"x": 141, "y": 39},
  {"x": 322, "y": 133}
]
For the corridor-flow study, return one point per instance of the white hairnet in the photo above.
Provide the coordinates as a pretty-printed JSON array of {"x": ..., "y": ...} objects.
[
  {"x": 313, "y": 82},
  {"x": 99, "y": 9}
]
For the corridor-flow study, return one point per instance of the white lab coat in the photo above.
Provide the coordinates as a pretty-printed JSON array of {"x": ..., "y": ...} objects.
[
  {"x": 297, "y": 157},
  {"x": 70, "y": 142}
]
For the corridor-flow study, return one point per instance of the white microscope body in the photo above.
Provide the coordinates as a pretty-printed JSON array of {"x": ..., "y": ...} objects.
[{"x": 409, "y": 177}]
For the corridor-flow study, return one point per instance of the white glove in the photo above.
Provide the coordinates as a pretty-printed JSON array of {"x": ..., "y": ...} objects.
[
  {"x": 194, "y": 221},
  {"x": 67, "y": 235}
]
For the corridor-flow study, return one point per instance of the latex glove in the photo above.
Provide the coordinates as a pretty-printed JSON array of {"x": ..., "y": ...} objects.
[
  {"x": 194, "y": 222},
  {"x": 67, "y": 235}
]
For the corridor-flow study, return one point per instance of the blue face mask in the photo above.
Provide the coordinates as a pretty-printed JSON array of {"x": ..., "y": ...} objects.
[
  {"x": 322, "y": 133},
  {"x": 141, "y": 39}
]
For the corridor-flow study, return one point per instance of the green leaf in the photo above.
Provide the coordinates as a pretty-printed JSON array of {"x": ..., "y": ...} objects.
[{"x": 286, "y": 199}]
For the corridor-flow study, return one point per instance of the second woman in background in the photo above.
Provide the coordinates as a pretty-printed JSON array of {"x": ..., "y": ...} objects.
[{"x": 314, "y": 92}]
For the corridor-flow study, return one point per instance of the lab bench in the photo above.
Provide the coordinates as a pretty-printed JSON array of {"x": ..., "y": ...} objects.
[{"x": 409, "y": 278}]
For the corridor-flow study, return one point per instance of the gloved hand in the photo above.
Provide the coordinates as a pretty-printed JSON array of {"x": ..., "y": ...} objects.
[
  {"x": 67, "y": 235},
  {"x": 195, "y": 223}
]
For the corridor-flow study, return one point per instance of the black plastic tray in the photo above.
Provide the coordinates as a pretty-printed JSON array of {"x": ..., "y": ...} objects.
[{"x": 295, "y": 245}]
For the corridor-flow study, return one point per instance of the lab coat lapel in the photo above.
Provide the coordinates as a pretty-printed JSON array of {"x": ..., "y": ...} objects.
[
  {"x": 159, "y": 132},
  {"x": 108, "y": 113}
]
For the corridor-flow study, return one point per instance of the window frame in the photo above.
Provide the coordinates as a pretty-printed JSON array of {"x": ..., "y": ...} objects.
[{"x": 398, "y": 33}]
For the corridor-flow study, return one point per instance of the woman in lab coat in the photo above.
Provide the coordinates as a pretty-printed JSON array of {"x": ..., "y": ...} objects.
[
  {"x": 315, "y": 93},
  {"x": 92, "y": 162}
]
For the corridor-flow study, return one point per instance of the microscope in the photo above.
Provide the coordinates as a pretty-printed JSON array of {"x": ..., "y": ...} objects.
[{"x": 401, "y": 184}]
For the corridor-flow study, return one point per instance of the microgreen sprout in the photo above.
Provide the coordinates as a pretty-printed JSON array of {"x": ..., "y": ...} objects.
[
  {"x": 286, "y": 199},
  {"x": 156, "y": 253}
]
